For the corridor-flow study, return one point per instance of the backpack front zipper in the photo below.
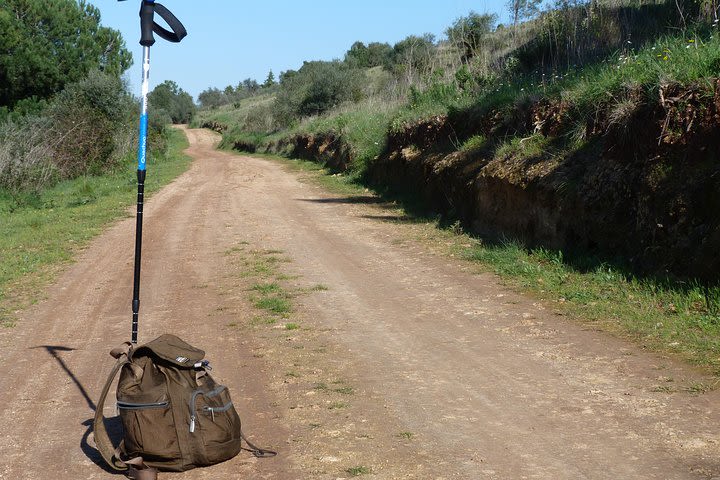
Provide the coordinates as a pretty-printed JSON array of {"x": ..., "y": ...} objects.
[
  {"x": 141, "y": 406},
  {"x": 213, "y": 410},
  {"x": 210, "y": 394}
]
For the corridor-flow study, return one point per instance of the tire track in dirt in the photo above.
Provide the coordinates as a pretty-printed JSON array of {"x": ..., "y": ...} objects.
[{"x": 485, "y": 383}]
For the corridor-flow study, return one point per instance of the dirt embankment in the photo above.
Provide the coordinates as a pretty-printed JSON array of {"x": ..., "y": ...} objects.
[
  {"x": 327, "y": 148},
  {"x": 644, "y": 187},
  {"x": 214, "y": 126}
]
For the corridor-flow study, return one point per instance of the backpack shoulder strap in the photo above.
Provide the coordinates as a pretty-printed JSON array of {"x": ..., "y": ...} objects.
[
  {"x": 136, "y": 467},
  {"x": 102, "y": 439}
]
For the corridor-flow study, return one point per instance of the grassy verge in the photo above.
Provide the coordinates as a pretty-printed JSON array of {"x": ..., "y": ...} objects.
[
  {"x": 42, "y": 232},
  {"x": 363, "y": 126},
  {"x": 616, "y": 87},
  {"x": 670, "y": 317}
]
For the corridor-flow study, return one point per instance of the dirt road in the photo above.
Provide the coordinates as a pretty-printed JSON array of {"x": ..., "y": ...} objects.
[{"x": 404, "y": 364}]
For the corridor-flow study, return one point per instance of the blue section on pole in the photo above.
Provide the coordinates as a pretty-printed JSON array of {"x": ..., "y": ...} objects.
[{"x": 142, "y": 149}]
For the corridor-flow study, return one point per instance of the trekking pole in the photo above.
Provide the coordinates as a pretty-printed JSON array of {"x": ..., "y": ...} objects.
[{"x": 177, "y": 32}]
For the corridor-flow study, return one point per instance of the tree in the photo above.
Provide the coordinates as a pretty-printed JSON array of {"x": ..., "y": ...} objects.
[
  {"x": 270, "y": 80},
  {"x": 250, "y": 85},
  {"x": 372, "y": 55},
  {"x": 468, "y": 33},
  {"x": 357, "y": 56},
  {"x": 212, "y": 98},
  {"x": 378, "y": 54},
  {"x": 523, "y": 9},
  {"x": 317, "y": 87},
  {"x": 172, "y": 99},
  {"x": 287, "y": 76},
  {"x": 413, "y": 56},
  {"x": 46, "y": 44}
]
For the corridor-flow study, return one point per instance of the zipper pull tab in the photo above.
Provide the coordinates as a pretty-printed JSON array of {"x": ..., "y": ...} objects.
[
  {"x": 204, "y": 364},
  {"x": 192, "y": 424},
  {"x": 212, "y": 413}
]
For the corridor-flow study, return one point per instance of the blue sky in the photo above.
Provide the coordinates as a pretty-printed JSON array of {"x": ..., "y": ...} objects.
[{"x": 230, "y": 40}]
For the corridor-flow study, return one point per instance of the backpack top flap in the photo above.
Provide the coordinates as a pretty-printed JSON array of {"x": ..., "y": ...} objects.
[{"x": 171, "y": 349}]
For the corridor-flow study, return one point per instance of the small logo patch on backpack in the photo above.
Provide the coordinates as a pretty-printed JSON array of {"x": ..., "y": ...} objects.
[{"x": 181, "y": 359}]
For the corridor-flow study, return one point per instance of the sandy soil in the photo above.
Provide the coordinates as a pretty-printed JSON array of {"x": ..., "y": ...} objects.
[{"x": 406, "y": 363}]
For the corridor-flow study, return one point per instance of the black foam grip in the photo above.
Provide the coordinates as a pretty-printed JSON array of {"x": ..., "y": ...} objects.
[{"x": 147, "y": 12}]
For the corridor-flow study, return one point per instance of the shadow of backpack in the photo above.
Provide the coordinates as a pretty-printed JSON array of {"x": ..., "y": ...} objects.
[{"x": 175, "y": 417}]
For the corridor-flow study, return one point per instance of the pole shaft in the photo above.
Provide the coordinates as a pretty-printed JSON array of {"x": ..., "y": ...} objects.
[
  {"x": 142, "y": 158},
  {"x": 142, "y": 148}
]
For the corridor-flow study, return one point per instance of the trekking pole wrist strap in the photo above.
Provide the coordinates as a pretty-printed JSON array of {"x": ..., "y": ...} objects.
[{"x": 148, "y": 26}]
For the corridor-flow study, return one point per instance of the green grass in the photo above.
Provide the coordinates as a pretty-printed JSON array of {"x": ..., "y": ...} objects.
[
  {"x": 363, "y": 126},
  {"x": 41, "y": 232},
  {"x": 263, "y": 321},
  {"x": 267, "y": 288},
  {"x": 685, "y": 59},
  {"x": 266, "y": 292},
  {"x": 359, "y": 470},
  {"x": 345, "y": 390},
  {"x": 522, "y": 148},
  {"x": 274, "y": 304},
  {"x": 474, "y": 143}
]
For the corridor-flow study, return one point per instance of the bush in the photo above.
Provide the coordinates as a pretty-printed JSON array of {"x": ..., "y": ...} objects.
[
  {"x": 177, "y": 104},
  {"x": 85, "y": 118},
  {"x": 26, "y": 155},
  {"x": 316, "y": 88},
  {"x": 86, "y": 129}
]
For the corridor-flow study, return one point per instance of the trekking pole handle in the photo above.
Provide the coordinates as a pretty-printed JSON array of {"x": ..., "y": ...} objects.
[
  {"x": 147, "y": 21},
  {"x": 148, "y": 26}
]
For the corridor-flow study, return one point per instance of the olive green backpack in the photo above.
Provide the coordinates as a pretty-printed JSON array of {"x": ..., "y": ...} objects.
[{"x": 175, "y": 417}]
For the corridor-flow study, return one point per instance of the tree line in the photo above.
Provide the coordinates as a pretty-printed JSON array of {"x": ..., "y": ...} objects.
[{"x": 318, "y": 86}]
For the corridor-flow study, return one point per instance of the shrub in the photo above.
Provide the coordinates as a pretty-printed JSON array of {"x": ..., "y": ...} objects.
[
  {"x": 177, "y": 104},
  {"x": 85, "y": 118},
  {"x": 316, "y": 88},
  {"x": 467, "y": 34},
  {"x": 26, "y": 155},
  {"x": 86, "y": 129}
]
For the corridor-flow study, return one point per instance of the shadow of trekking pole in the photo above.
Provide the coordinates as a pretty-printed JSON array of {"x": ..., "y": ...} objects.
[{"x": 113, "y": 425}]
